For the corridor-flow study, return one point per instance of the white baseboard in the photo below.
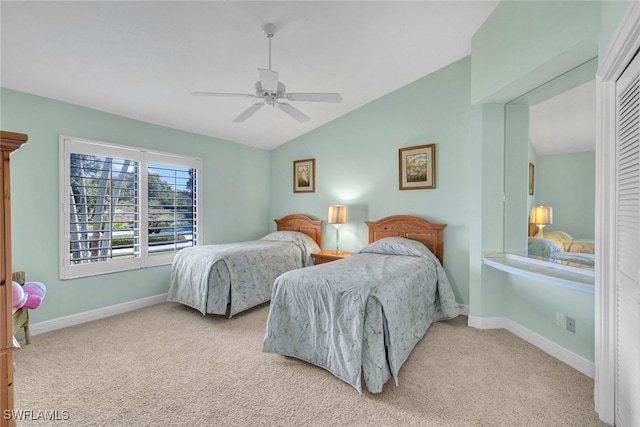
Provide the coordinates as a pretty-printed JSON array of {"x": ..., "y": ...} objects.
[
  {"x": 570, "y": 358},
  {"x": 464, "y": 309},
  {"x": 100, "y": 313},
  {"x": 88, "y": 316},
  {"x": 487, "y": 322}
]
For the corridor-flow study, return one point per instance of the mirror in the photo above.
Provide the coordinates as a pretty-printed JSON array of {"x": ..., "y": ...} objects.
[{"x": 550, "y": 170}]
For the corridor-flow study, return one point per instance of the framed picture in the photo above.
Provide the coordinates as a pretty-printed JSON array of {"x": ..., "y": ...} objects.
[
  {"x": 417, "y": 167},
  {"x": 531, "y": 178},
  {"x": 304, "y": 176}
]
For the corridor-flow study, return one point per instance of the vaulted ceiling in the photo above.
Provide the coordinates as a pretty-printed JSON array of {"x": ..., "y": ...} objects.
[{"x": 143, "y": 59}]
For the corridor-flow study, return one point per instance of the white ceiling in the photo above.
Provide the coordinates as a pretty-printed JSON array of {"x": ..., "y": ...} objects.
[
  {"x": 142, "y": 59},
  {"x": 565, "y": 123}
]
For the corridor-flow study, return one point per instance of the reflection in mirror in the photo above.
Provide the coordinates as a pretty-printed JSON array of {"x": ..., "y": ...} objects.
[{"x": 550, "y": 170}]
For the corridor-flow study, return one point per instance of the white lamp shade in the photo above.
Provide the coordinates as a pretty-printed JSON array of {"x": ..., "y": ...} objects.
[
  {"x": 337, "y": 214},
  {"x": 541, "y": 215}
]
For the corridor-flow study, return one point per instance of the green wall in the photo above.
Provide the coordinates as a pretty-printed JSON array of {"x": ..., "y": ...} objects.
[
  {"x": 520, "y": 46},
  {"x": 567, "y": 182},
  {"x": 357, "y": 165},
  {"x": 35, "y": 201},
  {"x": 612, "y": 14},
  {"x": 516, "y": 169},
  {"x": 526, "y": 43},
  {"x": 486, "y": 234},
  {"x": 534, "y": 304}
]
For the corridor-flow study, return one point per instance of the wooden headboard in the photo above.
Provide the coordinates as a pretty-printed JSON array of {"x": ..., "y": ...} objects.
[
  {"x": 303, "y": 224},
  {"x": 410, "y": 227}
]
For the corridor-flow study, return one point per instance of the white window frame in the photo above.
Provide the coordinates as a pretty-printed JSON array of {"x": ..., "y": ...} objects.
[{"x": 68, "y": 145}]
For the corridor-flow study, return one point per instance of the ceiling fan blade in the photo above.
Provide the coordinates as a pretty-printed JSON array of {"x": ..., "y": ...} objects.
[
  {"x": 315, "y": 97},
  {"x": 248, "y": 113},
  {"x": 293, "y": 112},
  {"x": 269, "y": 79},
  {"x": 237, "y": 95}
]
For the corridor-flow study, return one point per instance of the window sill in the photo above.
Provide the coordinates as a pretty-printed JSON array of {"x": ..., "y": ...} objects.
[{"x": 568, "y": 277}]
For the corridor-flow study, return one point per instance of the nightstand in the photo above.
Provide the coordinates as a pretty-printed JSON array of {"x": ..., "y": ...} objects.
[{"x": 328, "y": 256}]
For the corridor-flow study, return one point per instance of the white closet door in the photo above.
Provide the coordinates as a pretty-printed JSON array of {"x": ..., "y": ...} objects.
[{"x": 627, "y": 248}]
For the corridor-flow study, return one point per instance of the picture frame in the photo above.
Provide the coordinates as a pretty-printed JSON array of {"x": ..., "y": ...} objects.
[
  {"x": 417, "y": 167},
  {"x": 531, "y": 177},
  {"x": 304, "y": 176}
]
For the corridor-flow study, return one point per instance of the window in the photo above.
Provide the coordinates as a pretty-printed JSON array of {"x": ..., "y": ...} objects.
[{"x": 124, "y": 208}]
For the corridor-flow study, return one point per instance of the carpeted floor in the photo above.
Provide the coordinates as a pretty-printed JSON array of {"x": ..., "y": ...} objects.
[{"x": 167, "y": 365}]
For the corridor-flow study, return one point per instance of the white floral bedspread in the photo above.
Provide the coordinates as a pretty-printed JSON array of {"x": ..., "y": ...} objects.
[
  {"x": 341, "y": 315},
  {"x": 241, "y": 274}
]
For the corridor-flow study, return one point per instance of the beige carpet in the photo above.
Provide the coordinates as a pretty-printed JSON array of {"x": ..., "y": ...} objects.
[{"x": 168, "y": 365}]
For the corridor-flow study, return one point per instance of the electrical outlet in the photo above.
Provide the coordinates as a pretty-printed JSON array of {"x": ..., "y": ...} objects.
[
  {"x": 571, "y": 324},
  {"x": 560, "y": 320}
]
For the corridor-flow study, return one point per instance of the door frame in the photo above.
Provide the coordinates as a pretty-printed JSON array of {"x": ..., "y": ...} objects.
[{"x": 624, "y": 45}]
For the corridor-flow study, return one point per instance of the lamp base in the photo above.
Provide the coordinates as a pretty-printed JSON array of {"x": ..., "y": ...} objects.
[
  {"x": 337, "y": 251},
  {"x": 540, "y": 234}
]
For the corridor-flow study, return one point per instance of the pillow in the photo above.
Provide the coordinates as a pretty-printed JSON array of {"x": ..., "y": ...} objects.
[
  {"x": 35, "y": 292},
  {"x": 543, "y": 248},
  {"x": 303, "y": 241},
  {"x": 560, "y": 238},
  {"x": 582, "y": 246},
  {"x": 398, "y": 246},
  {"x": 18, "y": 296}
]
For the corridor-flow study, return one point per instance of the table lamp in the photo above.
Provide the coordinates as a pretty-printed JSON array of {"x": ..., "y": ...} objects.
[
  {"x": 541, "y": 216},
  {"x": 337, "y": 216}
]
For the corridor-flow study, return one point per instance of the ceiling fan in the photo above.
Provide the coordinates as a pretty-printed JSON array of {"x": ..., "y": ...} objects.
[{"x": 270, "y": 90}]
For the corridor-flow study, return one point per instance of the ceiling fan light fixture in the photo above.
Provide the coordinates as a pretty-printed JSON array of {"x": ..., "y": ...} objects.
[{"x": 269, "y": 79}]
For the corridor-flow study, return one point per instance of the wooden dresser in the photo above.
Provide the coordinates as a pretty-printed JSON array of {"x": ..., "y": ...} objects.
[{"x": 9, "y": 142}]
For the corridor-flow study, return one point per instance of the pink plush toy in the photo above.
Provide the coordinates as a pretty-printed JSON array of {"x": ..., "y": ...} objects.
[
  {"x": 19, "y": 297},
  {"x": 35, "y": 292}
]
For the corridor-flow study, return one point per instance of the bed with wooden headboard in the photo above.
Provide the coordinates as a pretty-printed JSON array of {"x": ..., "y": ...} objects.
[
  {"x": 409, "y": 227},
  {"x": 232, "y": 277},
  {"x": 303, "y": 224},
  {"x": 382, "y": 299}
]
